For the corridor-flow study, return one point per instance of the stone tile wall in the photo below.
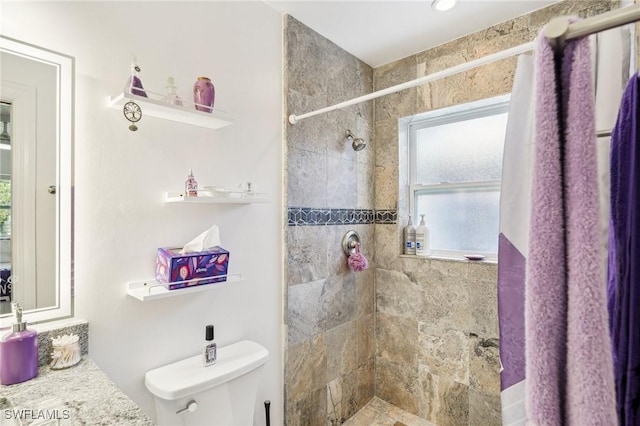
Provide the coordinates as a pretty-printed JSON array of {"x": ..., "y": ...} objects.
[
  {"x": 436, "y": 320},
  {"x": 329, "y": 365}
]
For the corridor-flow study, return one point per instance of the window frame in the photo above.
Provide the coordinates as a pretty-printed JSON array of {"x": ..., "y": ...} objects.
[{"x": 477, "y": 109}]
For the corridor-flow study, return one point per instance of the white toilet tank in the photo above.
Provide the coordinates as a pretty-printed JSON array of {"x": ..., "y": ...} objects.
[{"x": 224, "y": 393}]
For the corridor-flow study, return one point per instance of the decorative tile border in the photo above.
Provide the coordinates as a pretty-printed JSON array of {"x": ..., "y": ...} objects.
[
  {"x": 386, "y": 217},
  {"x": 305, "y": 216}
]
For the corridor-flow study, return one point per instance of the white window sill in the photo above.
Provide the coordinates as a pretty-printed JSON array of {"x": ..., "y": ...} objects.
[{"x": 447, "y": 258}]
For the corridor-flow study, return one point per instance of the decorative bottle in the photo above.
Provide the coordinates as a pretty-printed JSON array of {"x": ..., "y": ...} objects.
[
  {"x": 134, "y": 85},
  {"x": 204, "y": 94},
  {"x": 191, "y": 186},
  {"x": 423, "y": 236},
  {"x": 172, "y": 98},
  {"x": 210, "y": 348},
  {"x": 409, "y": 234},
  {"x": 18, "y": 351}
]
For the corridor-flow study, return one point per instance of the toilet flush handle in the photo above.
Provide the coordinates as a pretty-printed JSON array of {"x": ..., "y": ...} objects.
[{"x": 191, "y": 407}]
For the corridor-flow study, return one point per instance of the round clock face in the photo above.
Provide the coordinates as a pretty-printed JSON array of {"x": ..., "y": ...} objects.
[{"x": 132, "y": 111}]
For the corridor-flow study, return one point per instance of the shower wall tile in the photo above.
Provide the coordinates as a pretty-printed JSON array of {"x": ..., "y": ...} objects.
[
  {"x": 446, "y": 301},
  {"x": 304, "y": 311},
  {"x": 397, "y": 295},
  {"x": 483, "y": 299},
  {"x": 347, "y": 78},
  {"x": 366, "y": 337},
  {"x": 446, "y": 402},
  {"x": 454, "y": 268},
  {"x": 307, "y": 172},
  {"x": 397, "y": 104},
  {"x": 338, "y": 122},
  {"x": 387, "y": 245},
  {"x": 365, "y": 175},
  {"x": 386, "y": 142},
  {"x": 320, "y": 306},
  {"x": 484, "y": 408},
  {"x": 329, "y": 367},
  {"x": 342, "y": 398},
  {"x": 309, "y": 134},
  {"x": 444, "y": 351},
  {"x": 365, "y": 381},
  {"x": 341, "y": 183},
  {"x": 397, "y": 384},
  {"x": 310, "y": 409},
  {"x": 386, "y": 186},
  {"x": 484, "y": 359},
  {"x": 338, "y": 302},
  {"x": 306, "y": 366},
  {"x": 396, "y": 340},
  {"x": 305, "y": 62},
  {"x": 365, "y": 291},
  {"x": 305, "y": 261},
  {"x": 342, "y": 350}
]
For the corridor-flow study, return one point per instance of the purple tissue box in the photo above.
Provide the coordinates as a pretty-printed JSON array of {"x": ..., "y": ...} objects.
[{"x": 178, "y": 270}]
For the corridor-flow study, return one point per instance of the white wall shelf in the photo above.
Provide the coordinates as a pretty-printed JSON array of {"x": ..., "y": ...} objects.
[
  {"x": 152, "y": 289},
  {"x": 182, "y": 114},
  {"x": 235, "y": 198}
]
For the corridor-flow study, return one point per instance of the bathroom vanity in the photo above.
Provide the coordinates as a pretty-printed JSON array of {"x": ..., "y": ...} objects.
[{"x": 80, "y": 395}]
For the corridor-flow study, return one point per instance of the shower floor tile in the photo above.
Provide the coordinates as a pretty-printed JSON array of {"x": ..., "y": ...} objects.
[{"x": 380, "y": 413}]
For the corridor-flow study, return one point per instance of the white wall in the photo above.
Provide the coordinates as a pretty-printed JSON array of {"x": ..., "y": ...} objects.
[{"x": 120, "y": 176}]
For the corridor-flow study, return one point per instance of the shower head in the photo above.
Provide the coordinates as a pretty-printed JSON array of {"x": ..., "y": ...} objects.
[{"x": 358, "y": 144}]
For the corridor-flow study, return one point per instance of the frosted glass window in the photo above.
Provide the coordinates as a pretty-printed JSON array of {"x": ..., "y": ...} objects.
[
  {"x": 462, "y": 151},
  {"x": 461, "y": 221},
  {"x": 455, "y": 167}
]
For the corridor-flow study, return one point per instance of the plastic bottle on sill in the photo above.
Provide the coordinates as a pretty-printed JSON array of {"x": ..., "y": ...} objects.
[
  {"x": 423, "y": 236},
  {"x": 409, "y": 234}
]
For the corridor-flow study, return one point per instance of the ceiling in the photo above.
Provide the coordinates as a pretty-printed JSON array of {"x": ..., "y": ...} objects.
[{"x": 379, "y": 32}]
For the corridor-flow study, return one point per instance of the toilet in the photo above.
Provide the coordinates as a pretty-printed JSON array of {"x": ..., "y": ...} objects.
[{"x": 223, "y": 394}]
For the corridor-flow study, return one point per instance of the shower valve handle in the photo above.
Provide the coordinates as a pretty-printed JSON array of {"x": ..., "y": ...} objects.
[{"x": 191, "y": 407}]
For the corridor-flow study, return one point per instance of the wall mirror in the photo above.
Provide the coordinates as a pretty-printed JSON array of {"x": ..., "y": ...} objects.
[{"x": 36, "y": 181}]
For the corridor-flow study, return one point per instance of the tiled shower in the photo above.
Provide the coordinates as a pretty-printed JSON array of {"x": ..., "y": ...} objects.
[{"x": 421, "y": 334}]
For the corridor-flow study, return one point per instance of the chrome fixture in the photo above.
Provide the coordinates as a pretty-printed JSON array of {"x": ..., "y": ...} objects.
[
  {"x": 349, "y": 242},
  {"x": 358, "y": 144}
]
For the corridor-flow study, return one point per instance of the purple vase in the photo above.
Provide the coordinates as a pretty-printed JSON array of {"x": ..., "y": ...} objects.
[{"x": 204, "y": 94}]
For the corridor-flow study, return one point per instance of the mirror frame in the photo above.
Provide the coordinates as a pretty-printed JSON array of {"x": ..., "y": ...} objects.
[{"x": 64, "y": 66}]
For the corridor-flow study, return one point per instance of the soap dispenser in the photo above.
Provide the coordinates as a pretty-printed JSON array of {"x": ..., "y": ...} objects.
[
  {"x": 409, "y": 238},
  {"x": 423, "y": 237},
  {"x": 18, "y": 351}
]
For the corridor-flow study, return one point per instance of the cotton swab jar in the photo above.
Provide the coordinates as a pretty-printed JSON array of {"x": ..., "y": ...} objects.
[{"x": 66, "y": 351}]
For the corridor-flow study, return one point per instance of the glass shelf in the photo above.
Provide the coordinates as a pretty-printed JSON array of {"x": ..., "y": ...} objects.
[
  {"x": 230, "y": 198},
  {"x": 152, "y": 289},
  {"x": 160, "y": 109}
]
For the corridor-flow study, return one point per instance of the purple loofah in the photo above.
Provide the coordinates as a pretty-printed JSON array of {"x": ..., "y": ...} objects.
[{"x": 357, "y": 262}]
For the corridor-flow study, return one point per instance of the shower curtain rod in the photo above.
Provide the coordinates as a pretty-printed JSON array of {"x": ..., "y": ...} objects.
[
  {"x": 560, "y": 29},
  {"x": 557, "y": 31},
  {"x": 293, "y": 119}
]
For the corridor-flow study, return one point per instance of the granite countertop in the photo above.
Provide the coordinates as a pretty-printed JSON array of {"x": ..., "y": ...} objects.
[{"x": 79, "y": 395}]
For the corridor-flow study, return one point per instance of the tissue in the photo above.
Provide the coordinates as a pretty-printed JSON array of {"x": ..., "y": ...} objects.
[
  {"x": 200, "y": 261},
  {"x": 206, "y": 240}
]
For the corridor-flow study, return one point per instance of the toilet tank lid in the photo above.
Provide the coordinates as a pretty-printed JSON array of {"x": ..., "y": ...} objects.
[{"x": 189, "y": 377}]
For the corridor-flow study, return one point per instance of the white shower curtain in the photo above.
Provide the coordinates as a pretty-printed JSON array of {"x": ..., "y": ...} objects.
[{"x": 610, "y": 57}]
